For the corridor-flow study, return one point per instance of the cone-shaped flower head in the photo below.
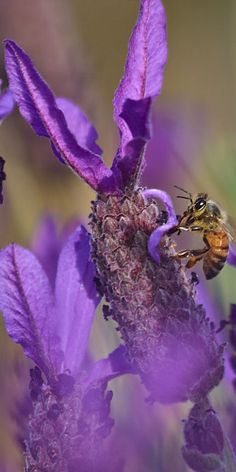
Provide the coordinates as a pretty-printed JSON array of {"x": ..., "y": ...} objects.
[
  {"x": 168, "y": 337},
  {"x": 207, "y": 448},
  {"x": 70, "y": 404}
]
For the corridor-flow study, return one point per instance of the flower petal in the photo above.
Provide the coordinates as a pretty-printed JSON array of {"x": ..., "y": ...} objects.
[
  {"x": 28, "y": 308},
  {"x": 127, "y": 166},
  {"x": 231, "y": 259},
  {"x": 76, "y": 297},
  {"x": 6, "y": 104},
  {"x": 114, "y": 365},
  {"x": 37, "y": 105},
  {"x": 147, "y": 55},
  {"x": 156, "y": 236},
  {"x": 79, "y": 125},
  {"x": 46, "y": 246}
]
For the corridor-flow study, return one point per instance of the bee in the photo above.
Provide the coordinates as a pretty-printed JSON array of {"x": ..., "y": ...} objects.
[{"x": 206, "y": 217}]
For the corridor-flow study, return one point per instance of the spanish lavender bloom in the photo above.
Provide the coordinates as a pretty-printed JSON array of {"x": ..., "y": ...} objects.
[
  {"x": 169, "y": 339},
  {"x": 207, "y": 448},
  {"x": 70, "y": 405}
]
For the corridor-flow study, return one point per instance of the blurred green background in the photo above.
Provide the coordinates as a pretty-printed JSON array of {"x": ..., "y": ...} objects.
[{"x": 80, "y": 48}]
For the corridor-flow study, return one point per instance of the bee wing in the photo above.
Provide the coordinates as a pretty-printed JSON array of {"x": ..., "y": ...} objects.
[{"x": 230, "y": 227}]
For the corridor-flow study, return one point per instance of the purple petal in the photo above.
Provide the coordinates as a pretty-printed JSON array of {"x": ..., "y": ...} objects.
[
  {"x": 37, "y": 105},
  {"x": 231, "y": 259},
  {"x": 176, "y": 136},
  {"x": 127, "y": 166},
  {"x": 79, "y": 125},
  {"x": 6, "y": 104},
  {"x": 28, "y": 308},
  {"x": 76, "y": 298},
  {"x": 114, "y": 365},
  {"x": 46, "y": 245},
  {"x": 147, "y": 55},
  {"x": 127, "y": 170},
  {"x": 158, "y": 233}
]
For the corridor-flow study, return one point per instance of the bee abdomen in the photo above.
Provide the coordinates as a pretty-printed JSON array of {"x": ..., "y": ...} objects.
[{"x": 215, "y": 259}]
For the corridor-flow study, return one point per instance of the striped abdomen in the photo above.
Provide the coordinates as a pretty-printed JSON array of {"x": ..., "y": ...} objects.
[{"x": 215, "y": 258}]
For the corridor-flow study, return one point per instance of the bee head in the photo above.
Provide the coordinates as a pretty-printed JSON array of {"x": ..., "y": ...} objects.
[{"x": 199, "y": 203}]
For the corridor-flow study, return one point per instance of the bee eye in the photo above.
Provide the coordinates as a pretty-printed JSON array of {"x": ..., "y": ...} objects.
[{"x": 200, "y": 204}]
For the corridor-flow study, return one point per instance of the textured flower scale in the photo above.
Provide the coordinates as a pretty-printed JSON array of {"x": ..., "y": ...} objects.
[
  {"x": 169, "y": 339},
  {"x": 67, "y": 425},
  {"x": 205, "y": 441}
]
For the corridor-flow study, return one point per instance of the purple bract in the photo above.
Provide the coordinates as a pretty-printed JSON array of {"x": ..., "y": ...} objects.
[
  {"x": 68, "y": 390},
  {"x": 72, "y": 137},
  {"x": 6, "y": 103},
  {"x": 53, "y": 328}
]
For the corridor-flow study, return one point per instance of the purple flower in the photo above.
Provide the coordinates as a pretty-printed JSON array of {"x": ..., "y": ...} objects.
[
  {"x": 47, "y": 243},
  {"x": 7, "y": 103},
  {"x": 71, "y": 135},
  {"x": 207, "y": 448},
  {"x": 169, "y": 338},
  {"x": 231, "y": 259},
  {"x": 69, "y": 398}
]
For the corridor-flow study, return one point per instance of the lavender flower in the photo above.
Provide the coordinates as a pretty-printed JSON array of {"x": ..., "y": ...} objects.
[
  {"x": 6, "y": 103},
  {"x": 169, "y": 339},
  {"x": 70, "y": 405},
  {"x": 207, "y": 448}
]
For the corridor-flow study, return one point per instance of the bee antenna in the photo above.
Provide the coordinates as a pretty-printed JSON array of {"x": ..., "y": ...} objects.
[
  {"x": 182, "y": 196},
  {"x": 185, "y": 191}
]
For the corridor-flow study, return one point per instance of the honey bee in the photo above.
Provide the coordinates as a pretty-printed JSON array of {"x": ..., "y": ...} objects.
[{"x": 206, "y": 217}]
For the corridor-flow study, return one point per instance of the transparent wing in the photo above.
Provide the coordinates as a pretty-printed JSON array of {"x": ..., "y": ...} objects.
[{"x": 229, "y": 226}]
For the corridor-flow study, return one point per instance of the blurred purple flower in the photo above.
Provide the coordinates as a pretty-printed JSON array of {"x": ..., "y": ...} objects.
[
  {"x": 169, "y": 339},
  {"x": 53, "y": 329},
  {"x": 7, "y": 103},
  {"x": 174, "y": 149},
  {"x": 231, "y": 259},
  {"x": 204, "y": 439},
  {"x": 48, "y": 241},
  {"x": 207, "y": 448},
  {"x": 6, "y": 107}
]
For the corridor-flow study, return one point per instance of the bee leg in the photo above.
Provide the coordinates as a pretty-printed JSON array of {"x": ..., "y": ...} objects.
[
  {"x": 192, "y": 261},
  {"x": 181, "y": 255},
  {"x": 195, "y": 256},
  {"x": 196, "y": 228}
]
